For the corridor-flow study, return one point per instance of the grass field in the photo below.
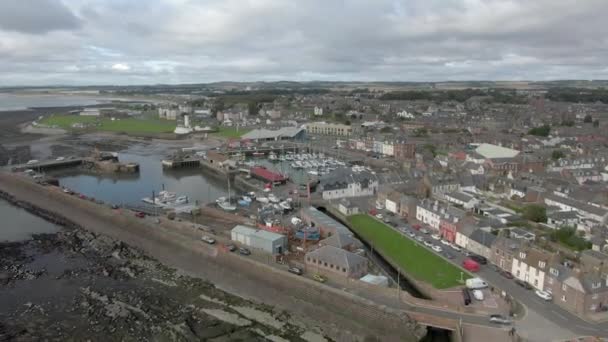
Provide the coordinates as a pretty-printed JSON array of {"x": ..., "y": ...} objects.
[
  {"x": 410, "y": 255},
  {"x": 131, "y": 125},
  {"x": 231, "y": 132}
]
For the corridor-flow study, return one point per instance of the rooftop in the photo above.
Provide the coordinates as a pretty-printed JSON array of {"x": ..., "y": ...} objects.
[{"x": 494, "y": 151}]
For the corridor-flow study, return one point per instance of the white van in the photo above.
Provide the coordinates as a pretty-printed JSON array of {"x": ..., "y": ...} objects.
[{"x": 476, "y": 283}]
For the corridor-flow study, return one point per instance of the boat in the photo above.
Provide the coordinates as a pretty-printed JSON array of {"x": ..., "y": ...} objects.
[
  {"x": 220, "y": 199},
  {"x": 251, "y": 195},
  {"x": 296, "y": 221},
  {"x": 247, "y": 199},
  {"x": 243, "y": 203},
  {"x": 285, "y": 205},
  {"x": 258, "y": 154},
  {"x": 273, "y": 156},
  {"x": 227, "y": 206},
  {"x": 263, "y": 199},
  {"x": 274, "y": 199},
  {"x": 313, "y": 172}
]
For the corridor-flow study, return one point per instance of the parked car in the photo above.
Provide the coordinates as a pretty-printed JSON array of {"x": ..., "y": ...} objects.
[
  {"x": 480, "y": 259},
  {"x": 499, "y": 319},
  {"x": 544, "y": 295},
  {"x": 428, "y": 244},
  {"x": 411, "y": 234},
  {"x": 244, "y": 251},
  {"x": 436, "y": 237},
  {"x": 231, "y": 247},
  {"x": 319, "y": 278},
  {"x": 448, "y": 255},
  {"x": 424, "y": 231},
  {"x": 295, "y": 270},
  {"x": 454, "y": 247},
  {"x": 419, "y": 238},
  {"x": 437, "y": 249},
  {"x": 208, "y": 239},
  {"x": 506, "y": 274},
  {"x": 478, "y": 294},
  {"x": 466, "y": 296},
  {"x": 445, "y": 242},
  {"x": 379, "y": 216},
  {"x": 524, "y": 284},
  {"x": 476, "y": 283},
  {"x": 140, "y": 214}
]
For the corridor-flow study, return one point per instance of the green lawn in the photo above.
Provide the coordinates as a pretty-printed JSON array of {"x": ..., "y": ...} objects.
[
  {"x": 131, "y": 125},
  {"x": 408, "y": 254},
  {"x": 231, "y": 132}
]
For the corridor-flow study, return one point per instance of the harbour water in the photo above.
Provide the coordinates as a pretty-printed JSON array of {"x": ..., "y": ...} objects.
[
  {"x": 21, "y": 101},
  {"x": 131, "y": 188},
  {"x": 18, "y": 224}
]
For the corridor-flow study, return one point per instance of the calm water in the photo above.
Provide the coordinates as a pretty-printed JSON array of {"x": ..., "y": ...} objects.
[
  {"x": 18, "y": 224},
  {"x": 15, "y": 102},
  {"x": 130, "y": 189}
]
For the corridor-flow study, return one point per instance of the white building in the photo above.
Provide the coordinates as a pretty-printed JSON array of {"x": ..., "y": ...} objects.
[
  {"x": 404, "y": 114},
  {"x": 259, "y": 239},
  {"x": 429, "y": 213},
  {"x": 388, "y": 148},
  {"x": 586, "y": 211},
  {"x": 490, "y": 151},
  {"x": 463, "y": 199},
  {"x": 344, "y": 183},
  {"x": 530, "y": 266},
  {"x": 318, "y": 111}
]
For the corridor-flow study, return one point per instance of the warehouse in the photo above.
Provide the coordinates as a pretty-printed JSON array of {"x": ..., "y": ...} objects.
[{"x": 259, "y": 239}]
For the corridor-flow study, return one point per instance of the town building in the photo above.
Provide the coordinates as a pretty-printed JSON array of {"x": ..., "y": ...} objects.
[
  {"x": 531, "y": 264},
  {"x": 324, "y": 128},
  {"x": 480, "y": 242},
  {"x": 344, "y": 182},
  {"x": 327, "y": 226},
  {"x": 345, "y": 207},
  {"x": 335, "y": 261},
  {"x": 259, "y": 239},
  {"x": 284, "y": 133}
]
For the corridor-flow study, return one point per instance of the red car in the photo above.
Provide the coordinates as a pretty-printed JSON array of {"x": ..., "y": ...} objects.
[
  {"x": 470, "y": 265},
  {"x": 140, "y": 214}
]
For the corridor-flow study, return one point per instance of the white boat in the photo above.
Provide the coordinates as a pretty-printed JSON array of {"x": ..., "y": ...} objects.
[
  {"x": 313, "y": 172},
  {"x": 221, "y": 199},
  {"x": 166, "y": 195},
  {"x": 181, "y": 200},
  {"x": 285, "y": 205},
  {"x": 263, "y": 199},
  {"x": 272, "y": 156},
  {"x": 227, "y": 206},
  {"x": 272, "y": 198},
  {"x": 296, "y": 221},
  {"x": 247, "y": 199}
]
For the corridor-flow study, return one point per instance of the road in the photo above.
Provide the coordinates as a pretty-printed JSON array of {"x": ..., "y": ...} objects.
[{"x": 542, "y": 318}]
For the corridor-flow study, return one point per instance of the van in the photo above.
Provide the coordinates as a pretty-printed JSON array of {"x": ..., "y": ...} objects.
[
  {"x": 466, "y": 296},
  {"x": 476, "y": 284},
  {"x": 478, "y": 295}
]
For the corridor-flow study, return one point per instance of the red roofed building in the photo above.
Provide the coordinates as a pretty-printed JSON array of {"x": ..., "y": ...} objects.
[{"x": 266, "y": 175}]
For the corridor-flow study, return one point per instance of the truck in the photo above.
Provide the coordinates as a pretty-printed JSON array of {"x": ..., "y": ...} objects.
[{"x": 476, "y": 284}]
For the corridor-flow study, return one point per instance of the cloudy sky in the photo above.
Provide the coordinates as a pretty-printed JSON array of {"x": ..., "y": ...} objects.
[{"x": 45, "y": 42}]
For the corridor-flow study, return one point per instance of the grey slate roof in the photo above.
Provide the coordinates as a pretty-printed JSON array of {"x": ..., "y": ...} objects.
[
  {"x": 263, "y": 133},
  {"x": 340, "y": 178},
  {"x": 340, "y": 240},
  {"x": 483, "y": 237},
  {"x": 337, "y": 256}
]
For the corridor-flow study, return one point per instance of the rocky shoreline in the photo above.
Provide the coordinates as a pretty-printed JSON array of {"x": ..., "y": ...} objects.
[{"x": 77, "y": 285}]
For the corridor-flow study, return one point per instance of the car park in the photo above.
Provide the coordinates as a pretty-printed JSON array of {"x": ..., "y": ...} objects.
[
  {"x": 244, "y": 251},
  {"x": 524, "y": 284},
  {"x": 295, "y": 270},
  {"x": 208, "y": 239},
  {"x": 437, "y": 249},
  {"x": 435, "y": 237},
  {"x": 544, "y": 295},
  {"x": 499, "y": 319}
]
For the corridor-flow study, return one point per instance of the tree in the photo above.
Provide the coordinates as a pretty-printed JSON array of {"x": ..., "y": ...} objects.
[
  {"x": 596, "y": 123},
  {"x": 535, "y": 213},
  {"x": 588, "y": 118},
  {"x": 432, "y": 148},
  {"x": 541, "y": 131},
  {"x": 557, "y": 155},
  {"x": 420, "y": 132}
]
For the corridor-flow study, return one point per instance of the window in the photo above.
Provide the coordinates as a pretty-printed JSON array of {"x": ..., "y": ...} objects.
[
  {"x": 535, "y": 282},
  {"x": 554, "y": 271},
  {"x": 344, "y": 269},
  {"x": 522, "y": 255},
  {"x": 564, "y": 298},
  {"x": 564, "y": 287},
  {"x": 541, "y": 264},
  {"x": 325, "y": 264}
]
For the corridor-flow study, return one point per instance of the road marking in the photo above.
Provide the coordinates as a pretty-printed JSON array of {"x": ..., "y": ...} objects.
[{"x": 559, "y": 315}]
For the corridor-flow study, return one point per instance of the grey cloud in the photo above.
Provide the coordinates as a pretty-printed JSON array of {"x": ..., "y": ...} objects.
[
  {"x": 166, "y": 41},
  {"x": 36, "y": 16}
]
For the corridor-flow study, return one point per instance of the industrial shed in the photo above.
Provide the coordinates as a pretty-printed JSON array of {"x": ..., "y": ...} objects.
[{"x": 259, "y": 239}]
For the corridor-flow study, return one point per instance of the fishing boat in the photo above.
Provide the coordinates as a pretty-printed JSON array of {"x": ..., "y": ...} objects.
[
  {"x": 274, "y": 199},
  {"x": 263, "y": 199},
  {"x": 227, "y": 206}
]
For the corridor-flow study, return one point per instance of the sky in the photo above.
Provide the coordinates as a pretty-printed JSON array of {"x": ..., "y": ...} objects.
[{"x": 123, "y": 42}]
